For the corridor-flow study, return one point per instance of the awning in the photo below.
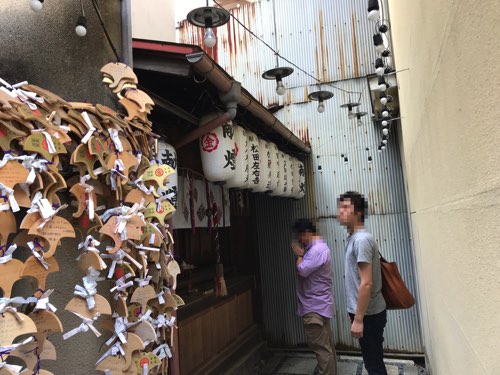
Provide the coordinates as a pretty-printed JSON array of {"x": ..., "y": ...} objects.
[{"x": 186, "y": 82}]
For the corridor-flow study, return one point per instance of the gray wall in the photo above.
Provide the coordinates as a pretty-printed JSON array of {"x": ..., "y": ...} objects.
[{"x": 42, "y": 47}]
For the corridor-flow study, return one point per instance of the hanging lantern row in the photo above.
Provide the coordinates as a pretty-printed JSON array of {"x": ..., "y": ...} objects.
[{"x": 239, "y": 159}]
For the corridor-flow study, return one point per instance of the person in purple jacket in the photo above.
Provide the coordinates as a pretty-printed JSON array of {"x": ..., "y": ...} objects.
[{"x": 314, "y": 292}]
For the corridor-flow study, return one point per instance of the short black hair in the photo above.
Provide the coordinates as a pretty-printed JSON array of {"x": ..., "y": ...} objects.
[
  {"x": 303, "y": 225},
  {"x": 358, "y": 201}
]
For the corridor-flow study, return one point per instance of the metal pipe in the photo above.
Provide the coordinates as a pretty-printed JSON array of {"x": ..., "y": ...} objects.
[
  {"x": 203, "y": 129},
  {"x": 126, "y": 33},
  {"x": 223, "y": 82}
]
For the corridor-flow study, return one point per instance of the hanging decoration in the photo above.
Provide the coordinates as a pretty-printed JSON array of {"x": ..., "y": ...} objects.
[
  {"x": 253, "y": 160},
  {"x": 122, "y": 198},
  {"x": 240, "y": 178},
  {"x": 265, "y": 167}
]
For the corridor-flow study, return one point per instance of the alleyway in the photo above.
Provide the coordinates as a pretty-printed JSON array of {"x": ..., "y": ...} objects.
[{"x": 304, "y": 363}]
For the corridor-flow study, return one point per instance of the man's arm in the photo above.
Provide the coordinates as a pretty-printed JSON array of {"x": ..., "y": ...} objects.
[{"x": 364, "y": 293}]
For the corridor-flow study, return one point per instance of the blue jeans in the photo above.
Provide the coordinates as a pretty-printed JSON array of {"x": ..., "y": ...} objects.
[{"x": 372, "y": 341}]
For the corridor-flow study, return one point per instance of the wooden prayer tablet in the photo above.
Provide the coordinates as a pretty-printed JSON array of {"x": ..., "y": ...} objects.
[
  {"x": 78, "y": 191},
  {"x": 46, "y": 322},
  {"x": 142, "y": 295},
  {"x": 28, "y": 354},
  {"x": 7, "y": 225},
  {"x": 142, "y": 99},
  {"x": 129, "y": 161},
  {"x": 162, "y": 213},
  {"x": 145, "y": 331},
  {"x": 142, "y": 359},
  {"x": 36, "y": 142},
  {"x": 92, "y": 259},
  {"x": 136, "y": 195},
  {"x": 10, "y": 272},
  {"x": 173, "y": 270},
  {"x": 22, "y": 196},
  {"x": 115, "y": 364},
  {"x": 8, "y": 133},
  {"x": 79, "y": 305},
  {"x": 46, "y": 94},
  {"x": 55, "y": 229},
  {"x": 117, "y": 72},
  {"x": 13, "y": 173},
  {"x": 158, "y": 173},
  {"x": 133, "y": 109},
  {"x": 33, "y": 268},
  {"x": 10, "y": 327},
  {"x": 121, "y": 307}
]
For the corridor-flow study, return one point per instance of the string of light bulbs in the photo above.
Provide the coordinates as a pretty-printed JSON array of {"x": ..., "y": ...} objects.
[{"x": 277, "y": 54}]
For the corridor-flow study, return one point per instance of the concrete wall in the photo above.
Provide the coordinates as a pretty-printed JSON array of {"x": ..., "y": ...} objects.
[
  {"x": 43, "y": 49},
  {"x": 451, "y": 144},
  {"x": 153, "y": 20}
]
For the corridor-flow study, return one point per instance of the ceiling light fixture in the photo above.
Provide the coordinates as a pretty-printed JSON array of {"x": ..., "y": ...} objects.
[
  {"x": 209, "y": 18},
  {"x": 320, "y": 96},
  {"x": 382, "y": 84},
  {"x": 278, "y": 74},
  {"x": 350, "y": 106},
  {"x": 359, "y": 115}
]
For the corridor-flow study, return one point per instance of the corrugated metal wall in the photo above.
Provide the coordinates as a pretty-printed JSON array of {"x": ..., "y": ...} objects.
[
  {"x": 332, "y": 40},
  {"x": 325, "y": 38}
]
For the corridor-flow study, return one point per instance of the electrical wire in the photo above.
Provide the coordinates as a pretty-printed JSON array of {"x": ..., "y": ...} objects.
[
  {"x": 108, "y": 38},
  {"x": 318, "y": 81}
]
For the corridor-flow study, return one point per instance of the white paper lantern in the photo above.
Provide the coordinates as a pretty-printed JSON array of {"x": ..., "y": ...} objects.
[
  {"x": 302, "y": 181},
  {"x": 296, "y": 178},
  {"x": 282, "y": 182},
  {"x": 240, "y": 178},
  {"x": 275, "y": 168},
  {"x": 218, "y": 153},
  {"x": 290, "y": 191},
  {"x": 265, "y": 167},
  {"x": 167, "y": 155},
  {"x": 253, "y": 160}
]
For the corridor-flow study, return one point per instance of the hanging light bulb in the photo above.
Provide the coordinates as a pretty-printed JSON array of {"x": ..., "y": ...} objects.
[
  {"x": 379, "y": 43},
  {"x": 350, "y": 114},
  {"x": 345, "y": 160},
  {"x": 81, "y": 26},
  {"x": 385, "y": 112},
  {"x": 382, "y": 84},
  {"x": 370, "y": 159},
  {"x": 385, "y": 131},
  {"x": 209, "y": 38},
  {"x": 208, "y": 18},
  {"x": 280, "y": 88},
  {"x": 321, "y": 106},
  {"x": 373, "y": 10},
  {"x": 384, "y": 139},
  {"x": 36, "y": 5},
  {"x": 379, "y": 67},
  {"x": 379, "y": 148},
  {"x": 383, "y": 98},
  {"x": 384, "y": 123}
]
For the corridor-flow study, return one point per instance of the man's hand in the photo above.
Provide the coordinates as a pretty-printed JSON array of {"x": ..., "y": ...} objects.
[
  {"x": 357, "y": 329},
  {"x": 297, "y": 249}
]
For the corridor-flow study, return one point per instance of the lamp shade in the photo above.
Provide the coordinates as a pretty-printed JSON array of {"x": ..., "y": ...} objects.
[
  {"x": 167, "y": 155},
  {"x": 240, "y": 178},
  {"x": 253, "y": 160},
  {"x": 265, "y": 167},
  {"x": 218, "y": 152},
  {"x": 275, "y": 167}
]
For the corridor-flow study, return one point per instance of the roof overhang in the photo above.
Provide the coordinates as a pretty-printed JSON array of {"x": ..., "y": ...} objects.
[{"x": 190, "y": 62}]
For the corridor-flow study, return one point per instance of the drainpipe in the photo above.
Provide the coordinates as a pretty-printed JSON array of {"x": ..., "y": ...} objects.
[
  {"x": 224, "y": 83},
  {"x": 230, "y": 99},
  {"x": 126, "y": 32}
]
